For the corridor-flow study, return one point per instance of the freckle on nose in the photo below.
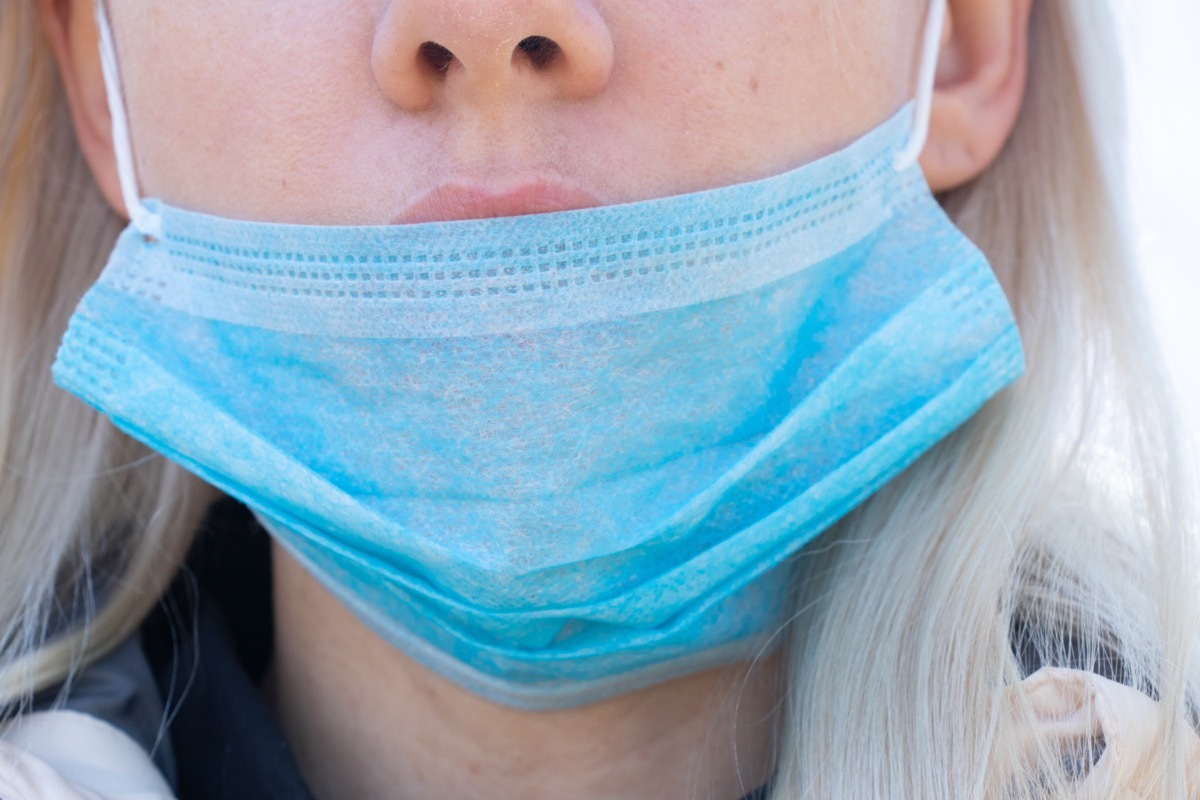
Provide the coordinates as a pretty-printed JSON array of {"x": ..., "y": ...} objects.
[{"x": 754, "y": 84}]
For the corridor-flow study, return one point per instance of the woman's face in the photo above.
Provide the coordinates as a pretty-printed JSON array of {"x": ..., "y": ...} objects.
[{"x": 343, "y": 112}]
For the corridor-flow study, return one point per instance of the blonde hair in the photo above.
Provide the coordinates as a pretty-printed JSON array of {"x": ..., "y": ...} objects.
[
  {"x": 1057, "y": 513},
  {"x": 1056, "y": 516},
  {"x": 92, "y": 526}
]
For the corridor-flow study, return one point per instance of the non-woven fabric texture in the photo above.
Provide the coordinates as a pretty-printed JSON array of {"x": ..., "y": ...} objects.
[{"x": 560, "y": 456}]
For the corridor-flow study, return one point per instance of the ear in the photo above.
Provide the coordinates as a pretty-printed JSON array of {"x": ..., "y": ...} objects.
[
  {"x": 70, "y": 30},
  {"x": 981, "y": 76}
]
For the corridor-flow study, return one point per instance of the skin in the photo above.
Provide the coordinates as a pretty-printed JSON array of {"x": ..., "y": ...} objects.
[{"x": 326, "y": 112}]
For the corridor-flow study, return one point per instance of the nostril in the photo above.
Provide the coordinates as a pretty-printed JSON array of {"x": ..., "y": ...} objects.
[
  {"x": 540, "y": 50},
  {"x": 436, "y": 57}
]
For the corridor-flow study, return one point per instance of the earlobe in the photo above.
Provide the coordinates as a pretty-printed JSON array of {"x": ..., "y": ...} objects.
[
  {"x": 982, "y": 69},
  {"x": 69, "y": 27}
]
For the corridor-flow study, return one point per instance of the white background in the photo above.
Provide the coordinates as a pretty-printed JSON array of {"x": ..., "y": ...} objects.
[{"x": 1162, "y": 52}]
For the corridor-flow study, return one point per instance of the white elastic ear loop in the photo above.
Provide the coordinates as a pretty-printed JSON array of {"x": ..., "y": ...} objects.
[
  {"x": 930, "y": 48},
  {"x": 149, "y": 224}
]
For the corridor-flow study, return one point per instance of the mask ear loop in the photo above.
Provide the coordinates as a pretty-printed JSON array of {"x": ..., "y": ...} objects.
[
  {"x": 146, "y": 222},
  {"x": 925, "y": 82}
]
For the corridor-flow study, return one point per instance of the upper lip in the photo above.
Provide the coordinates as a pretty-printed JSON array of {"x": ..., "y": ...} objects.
[{"x": 456, "y": 201}]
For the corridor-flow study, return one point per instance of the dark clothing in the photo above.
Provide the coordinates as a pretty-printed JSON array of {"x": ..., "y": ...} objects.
[
  {"x": 121, "y": 690},
  {"x": 208, "y": 646}
]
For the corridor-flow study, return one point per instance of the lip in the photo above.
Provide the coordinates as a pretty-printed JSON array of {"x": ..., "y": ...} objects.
[{"x": 459, "y": 201}]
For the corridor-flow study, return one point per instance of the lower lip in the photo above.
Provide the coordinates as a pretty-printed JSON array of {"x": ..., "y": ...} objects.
[{"x": 448, "y": 203}]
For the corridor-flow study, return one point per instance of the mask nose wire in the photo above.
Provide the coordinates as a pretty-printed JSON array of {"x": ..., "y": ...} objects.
[
  {"x": 930, "y": 47},
  {"x": 145, "y": 221}
]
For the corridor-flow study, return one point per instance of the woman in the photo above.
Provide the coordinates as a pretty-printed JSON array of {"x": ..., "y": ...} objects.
[{"x": 1013, "y": 615}]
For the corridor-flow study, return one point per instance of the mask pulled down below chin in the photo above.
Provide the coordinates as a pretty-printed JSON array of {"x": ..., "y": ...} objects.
[{"x": 558, "y": 457}]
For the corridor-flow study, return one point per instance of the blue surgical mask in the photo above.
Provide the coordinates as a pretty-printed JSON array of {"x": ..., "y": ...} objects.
[{"x": 564, "y": 456}]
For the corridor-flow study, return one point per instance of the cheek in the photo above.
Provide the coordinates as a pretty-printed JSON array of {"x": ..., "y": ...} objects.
[
  {"x": 760, "y": 86},
  {"x": 229, "y": 101}
]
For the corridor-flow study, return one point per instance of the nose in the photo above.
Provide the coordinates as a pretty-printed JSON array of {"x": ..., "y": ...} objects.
[{"x": 488, "y": 50}]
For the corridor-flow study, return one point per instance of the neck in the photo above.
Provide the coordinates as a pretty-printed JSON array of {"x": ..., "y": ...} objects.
[{"x": 367, "y": 722}]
